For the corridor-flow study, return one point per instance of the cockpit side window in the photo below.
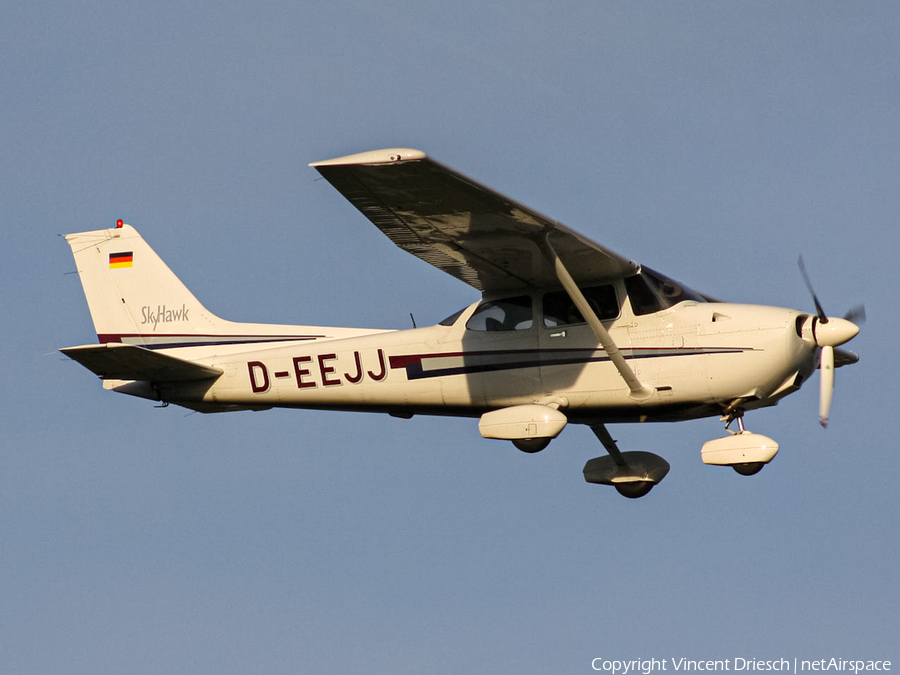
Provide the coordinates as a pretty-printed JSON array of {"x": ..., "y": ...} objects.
[
  {"x": 502, "y": 315},
  {"x": 559, "y": 310},
  {"x": 651, "y": 291}
]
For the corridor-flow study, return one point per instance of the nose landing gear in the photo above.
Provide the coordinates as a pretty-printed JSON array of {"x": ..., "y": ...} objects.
[{"x": 743, "y": 451}]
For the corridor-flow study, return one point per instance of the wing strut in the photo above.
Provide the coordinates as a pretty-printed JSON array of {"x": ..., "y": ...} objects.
[{"x": 638, "y": 391}]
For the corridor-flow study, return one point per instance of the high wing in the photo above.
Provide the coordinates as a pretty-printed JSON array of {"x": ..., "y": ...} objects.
[{"x": 463, "y": 227}]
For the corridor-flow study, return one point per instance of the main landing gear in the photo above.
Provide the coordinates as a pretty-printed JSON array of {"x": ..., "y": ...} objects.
[{"x": 633, "y": 474}]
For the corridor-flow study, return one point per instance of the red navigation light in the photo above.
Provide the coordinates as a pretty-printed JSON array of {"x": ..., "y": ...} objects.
[{"x": 119, "y": 223}]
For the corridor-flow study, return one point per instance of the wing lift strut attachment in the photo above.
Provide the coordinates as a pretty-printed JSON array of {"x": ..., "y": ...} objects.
[
  {"x": 532, "y": 427},
  {"x": 638, "y": 391},
  {"x": 634, "y": 473}
]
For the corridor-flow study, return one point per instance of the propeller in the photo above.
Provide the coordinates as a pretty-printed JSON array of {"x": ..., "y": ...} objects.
[
  {"x": 856, "y": 314},
  {"x": 826, "y": 377},
  {"x": 819, "y": 311},
  {"x": 828, "y": 333}
]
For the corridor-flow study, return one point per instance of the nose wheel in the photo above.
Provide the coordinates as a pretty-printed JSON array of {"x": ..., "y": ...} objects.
[
  {"x": 744, "y": 468},
  {"x": 748, "y": 468},
  {"x": 745, "y": 452}
]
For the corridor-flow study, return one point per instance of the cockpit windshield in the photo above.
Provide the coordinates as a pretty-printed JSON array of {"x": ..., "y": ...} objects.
[
  {"x": 651, "y": 291},
  {"x": 450, "y": 320}
]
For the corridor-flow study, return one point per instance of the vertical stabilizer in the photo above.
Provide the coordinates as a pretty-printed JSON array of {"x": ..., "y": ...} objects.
[
  {"x": 131, "y": 292},
  {"x": 134, "y": 298}
]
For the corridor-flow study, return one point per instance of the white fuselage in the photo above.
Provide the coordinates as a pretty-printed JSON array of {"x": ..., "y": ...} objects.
[{"x": 698, "y": 357}]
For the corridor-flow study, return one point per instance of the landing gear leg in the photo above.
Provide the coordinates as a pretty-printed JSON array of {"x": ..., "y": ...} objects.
[
  {"x": 743, "y": 468},
  {"x": 603, "y": 435},
  {"x": 633, "y": 474},
  {"x": 745, "y": 452}
]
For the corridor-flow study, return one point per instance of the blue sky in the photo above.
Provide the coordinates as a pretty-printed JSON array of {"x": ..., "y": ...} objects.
[{"x": 713, "y": 141}]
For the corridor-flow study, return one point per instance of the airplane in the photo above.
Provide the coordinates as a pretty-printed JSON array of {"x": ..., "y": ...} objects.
[{"x": 565, "y": 331}]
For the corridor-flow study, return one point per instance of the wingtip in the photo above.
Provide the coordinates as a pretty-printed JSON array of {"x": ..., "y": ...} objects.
[{"x": 386, "y": 156}]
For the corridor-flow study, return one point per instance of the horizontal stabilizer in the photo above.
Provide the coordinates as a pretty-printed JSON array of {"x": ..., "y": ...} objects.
[{"x": 130, "y": 362}]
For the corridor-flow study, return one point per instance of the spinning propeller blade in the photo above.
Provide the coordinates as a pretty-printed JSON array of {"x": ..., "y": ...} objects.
[
  {"x": 819, "y": 311},
  {"x": 856, "y": 314},
  {"x": 826, "y": 366},
  {"x": 829, "y": 333}
]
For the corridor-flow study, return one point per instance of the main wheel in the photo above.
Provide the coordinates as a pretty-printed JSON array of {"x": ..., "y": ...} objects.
[
  {"x": 748, "y": 468},
  {"x": 634, "y": 489},
  {"x": 531, "y": 445}
]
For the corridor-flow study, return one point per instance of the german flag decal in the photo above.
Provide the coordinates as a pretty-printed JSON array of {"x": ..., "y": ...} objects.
[{"x": 121, "y": 260}]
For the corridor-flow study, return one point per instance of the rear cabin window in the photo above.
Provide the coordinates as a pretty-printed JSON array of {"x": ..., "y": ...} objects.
[
  {"x": 502, "y": 315},
  {"x": 559, "y": 310}
]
